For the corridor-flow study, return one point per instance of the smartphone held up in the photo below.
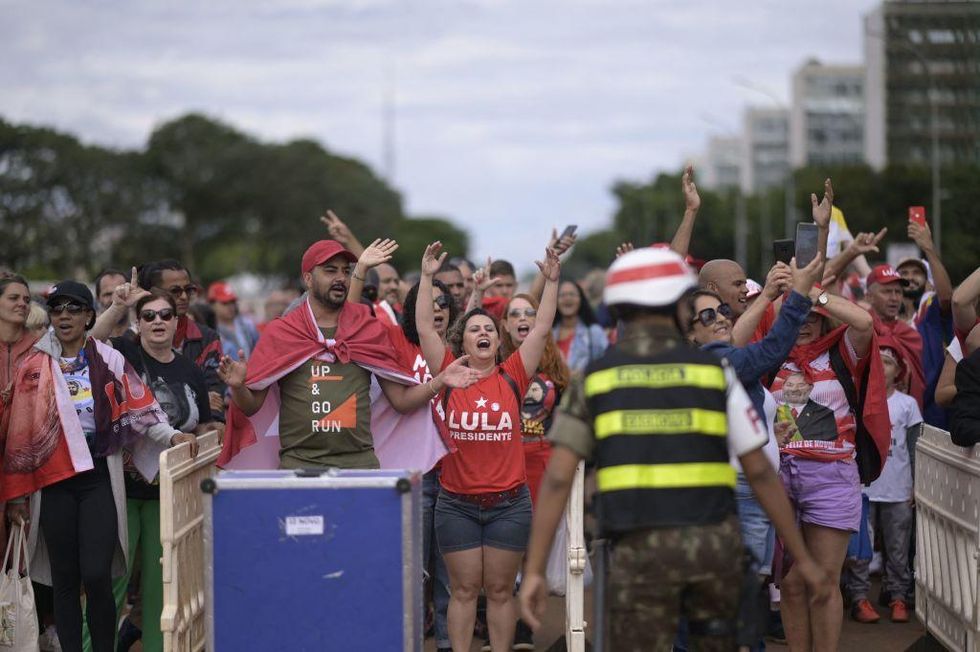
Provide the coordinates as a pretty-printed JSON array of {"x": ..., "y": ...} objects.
[{"x": 917, "y": 214}]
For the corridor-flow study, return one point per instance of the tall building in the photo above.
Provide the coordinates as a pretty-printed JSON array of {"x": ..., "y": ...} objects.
[
  {"x": 826, "y": 115},
  {"x": 918, "y": 52},
  {"x": 720, "y": 166},
  {"x": 765, "y": 156}
]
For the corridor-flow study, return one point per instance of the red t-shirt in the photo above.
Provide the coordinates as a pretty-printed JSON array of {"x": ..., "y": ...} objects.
[
  {"x": 565, "y": 345},
  {"x": 484, "y": 422},
  {"x": 411, "y": 358}
]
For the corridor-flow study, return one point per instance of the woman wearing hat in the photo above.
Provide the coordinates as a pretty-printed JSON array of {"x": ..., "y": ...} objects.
[{"x": 76, "y": 405}]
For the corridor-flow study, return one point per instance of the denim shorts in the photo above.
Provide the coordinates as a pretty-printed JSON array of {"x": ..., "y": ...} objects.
[{"x": 461, "y": 525}]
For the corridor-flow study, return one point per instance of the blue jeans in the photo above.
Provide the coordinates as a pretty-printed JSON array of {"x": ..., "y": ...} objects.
[
  {"x": 758, "y": 535},
  {"x": 462, "y": 525},
  {"x": 433, "y": 563}
]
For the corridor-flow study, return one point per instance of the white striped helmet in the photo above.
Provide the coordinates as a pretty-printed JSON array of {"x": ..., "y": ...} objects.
[{"x": 651, "y": 277}]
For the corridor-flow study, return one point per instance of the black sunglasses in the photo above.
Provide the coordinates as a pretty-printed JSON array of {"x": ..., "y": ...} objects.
[
  {"x": 708, "y": 316},
  {"x": 442, "y": 301},
  {"x": 189, "y": 290},
  {"x": 150, "y": 315},
  {"x": 70, "y": 308}
]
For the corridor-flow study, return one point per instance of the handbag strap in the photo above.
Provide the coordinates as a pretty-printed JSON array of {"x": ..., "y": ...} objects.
[{"x": 22, "y": 548}]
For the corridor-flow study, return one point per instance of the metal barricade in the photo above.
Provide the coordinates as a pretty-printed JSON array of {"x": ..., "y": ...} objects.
[
  {"x": 577, "y": 555},
  {"x": 182, "y": 535},
  {"x": 947, "y": 537}
]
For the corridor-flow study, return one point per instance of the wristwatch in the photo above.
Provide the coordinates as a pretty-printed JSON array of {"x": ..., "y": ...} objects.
[{"x": 823, "y": 299}]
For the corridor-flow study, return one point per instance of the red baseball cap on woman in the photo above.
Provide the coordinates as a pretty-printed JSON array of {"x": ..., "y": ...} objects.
[{"x": 322, "y": 251}]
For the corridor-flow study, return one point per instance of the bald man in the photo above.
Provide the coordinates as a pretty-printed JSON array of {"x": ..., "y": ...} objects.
[{"x": 727, "y": 279}]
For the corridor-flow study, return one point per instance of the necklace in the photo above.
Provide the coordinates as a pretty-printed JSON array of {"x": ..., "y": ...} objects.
[{"x": 75, "y": 364}]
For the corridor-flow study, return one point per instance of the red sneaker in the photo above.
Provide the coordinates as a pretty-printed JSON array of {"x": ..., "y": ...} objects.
[
  {"x": 900, "y": 611},
  {"x": 864, "y": 612}
]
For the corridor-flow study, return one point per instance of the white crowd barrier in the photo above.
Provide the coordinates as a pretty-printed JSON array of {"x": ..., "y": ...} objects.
[
  {"x": 577, "y": 555},
  {"x": 947, "y": 537},
  {"x": 182, "y": 535}
]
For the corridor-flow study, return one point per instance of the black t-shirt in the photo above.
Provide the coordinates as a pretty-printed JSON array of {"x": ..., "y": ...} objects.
[{"x": 179, "y": 387}]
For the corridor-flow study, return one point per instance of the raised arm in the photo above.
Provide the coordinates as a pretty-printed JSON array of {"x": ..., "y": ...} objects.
[
  {"x": 821, "y": 215},
  {"x": 232, "y": 373},
  {"x": 778, "y": 280},
  {"x": 692, "y": 203},
  {"x": 533, "y": 346},
  {"x": 863, "y": 243},
  {"x": 860, "y": 323},
  {"x": 124, "y": 297},
  {"x": 481, "y": 283},
  {"x": 922, "y": 236},
  {"x": 408, "y": 398},
  {"x": 560, "y": 245},
  {"x": 341, "y": 233},
  {"x": 379, "y": 251},
  {"x": 965, "y": 302},
  {"x": 432, "y": 346}
]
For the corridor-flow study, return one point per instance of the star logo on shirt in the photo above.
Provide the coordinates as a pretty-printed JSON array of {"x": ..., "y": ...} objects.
[{"x": 482, "y": 403}]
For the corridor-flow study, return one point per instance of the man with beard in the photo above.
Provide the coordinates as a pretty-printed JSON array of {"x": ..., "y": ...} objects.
[
  {"x": 930, "y": 313},
  {"x": 319, "y": 360}
]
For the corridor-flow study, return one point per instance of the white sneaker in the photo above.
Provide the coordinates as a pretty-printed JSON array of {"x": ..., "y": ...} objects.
[{"x": 48, "y": 641}]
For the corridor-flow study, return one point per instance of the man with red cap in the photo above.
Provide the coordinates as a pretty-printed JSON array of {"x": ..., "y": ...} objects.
[
  {"x": 305, "y": 397},
  {"x": 885, "y": 294},
  {"x": 238, "y": 333}
]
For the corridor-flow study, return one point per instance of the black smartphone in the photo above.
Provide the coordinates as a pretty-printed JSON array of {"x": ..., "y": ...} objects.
[
  {"x": 806, "y": 244},
  {"x": 783, "y": 250},
  {"x": 569, "y": 231}
]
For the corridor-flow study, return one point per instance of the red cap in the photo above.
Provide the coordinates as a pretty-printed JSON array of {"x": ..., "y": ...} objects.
[
  {"x": 221, "y": 292},
  {"x": 322, "y": 251},
  {"x": 885, "y": 274}
]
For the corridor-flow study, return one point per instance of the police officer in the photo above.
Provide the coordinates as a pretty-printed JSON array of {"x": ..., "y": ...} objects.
[{"x": 659, "y": 418}]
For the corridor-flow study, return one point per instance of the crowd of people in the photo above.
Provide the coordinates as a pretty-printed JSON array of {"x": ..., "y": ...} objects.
[{"x": 714, "y": 413}]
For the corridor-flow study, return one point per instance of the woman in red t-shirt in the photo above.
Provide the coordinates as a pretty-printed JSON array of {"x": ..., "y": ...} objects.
[
  {"x": 544, "y": 392},
  {"x": 483, "y": 513}
]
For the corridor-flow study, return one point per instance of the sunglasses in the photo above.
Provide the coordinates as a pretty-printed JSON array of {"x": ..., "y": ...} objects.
[
  {"x": 442, "y": 301},
  {"x": 708, "y": 316},
  {"x": 189, "y": 290},
  {"x": 527, "y": 312},
  {"x": 150, "y": 315},
  {"x": 70, "y": 308}
]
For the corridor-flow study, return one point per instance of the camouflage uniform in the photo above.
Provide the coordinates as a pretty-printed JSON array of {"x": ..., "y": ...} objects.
[{"x": 659, "y": 574}]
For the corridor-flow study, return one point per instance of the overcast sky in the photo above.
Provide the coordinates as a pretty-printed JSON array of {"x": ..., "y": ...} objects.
[{"x": 511, "y": 116}]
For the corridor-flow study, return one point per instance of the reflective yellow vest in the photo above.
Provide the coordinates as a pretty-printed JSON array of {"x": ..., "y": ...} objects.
[{"x": 661, "y": 426}]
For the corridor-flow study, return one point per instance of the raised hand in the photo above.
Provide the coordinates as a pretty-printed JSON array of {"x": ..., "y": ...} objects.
[
  {"x": 692, "y": 200},
  {"x": 561, "y": 245},
  {"x": 129, "y": 293},
  {"x": 866, "y": 243},
  {"x": 822, "y": 210},
  {"x": 624, "y": 248},
  {"x": 185, "y": 438},
  {"x": 777, "y": 280},
  {"x": 458, "y": 375},
  {"x": 336, "y": 228},
  {"x": 233, "y": 372},
  {"x": 379, "y": 251},
  {"x": 922, "y": 236},
  {"x": 432, "y": 258},
  {"x": 481, "y": 278},
  {"x": 804, "y": 278},
  {"x": 551, "y": 267}
]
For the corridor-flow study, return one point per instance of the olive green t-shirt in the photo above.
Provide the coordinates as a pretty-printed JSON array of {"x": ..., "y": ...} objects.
[{"x": 325, "y": 416}]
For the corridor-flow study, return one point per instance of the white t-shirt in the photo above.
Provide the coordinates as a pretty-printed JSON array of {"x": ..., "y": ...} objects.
[
  {"x": 80, "y": 388},
  {"x": 746, "y": 431},
  {"x": 894, "y": 485},
  {"x": 771, "y": 449}
]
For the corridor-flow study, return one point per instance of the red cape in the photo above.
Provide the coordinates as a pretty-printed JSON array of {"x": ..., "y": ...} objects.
[
  {"x": 874, "y": 428},
  {"x": 909, "y": 344},
  {"x": 291, "y": 340}
]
